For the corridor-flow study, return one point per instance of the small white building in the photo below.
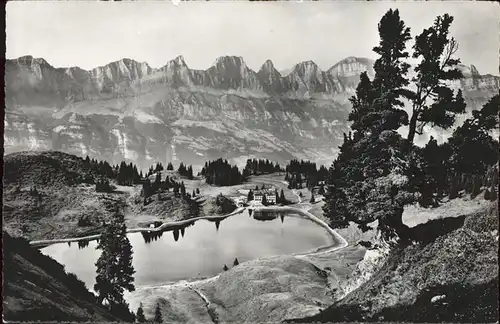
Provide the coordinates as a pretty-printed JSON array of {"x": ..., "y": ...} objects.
[{"x": 270, "y": 196}]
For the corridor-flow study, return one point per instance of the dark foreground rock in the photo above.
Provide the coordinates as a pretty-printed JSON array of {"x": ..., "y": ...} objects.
[{"x": 36, "y": 288}]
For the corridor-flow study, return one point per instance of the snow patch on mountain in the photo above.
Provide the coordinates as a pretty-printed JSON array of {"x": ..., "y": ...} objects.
[
  {"x": 122, "y": 145},
  {"x": 146, "y": 118},
  {"x": 59, "y": 128}
]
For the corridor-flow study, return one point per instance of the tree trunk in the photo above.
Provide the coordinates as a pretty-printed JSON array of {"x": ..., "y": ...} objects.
[{"x": 412, "y": 127}]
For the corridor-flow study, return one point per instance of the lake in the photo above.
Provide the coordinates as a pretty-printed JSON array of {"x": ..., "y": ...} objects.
[{"x": 202, "y": 248}]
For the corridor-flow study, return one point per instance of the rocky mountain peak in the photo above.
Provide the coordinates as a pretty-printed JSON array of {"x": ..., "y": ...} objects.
[
  {"x": 306, "y": 64},
  {"x": 306, "y": 69},
  {"x": 271, "y": 79},
  {"x": 29, "y": 60},
  {"x": 230, "y": 60},
  {"x": 352, "y": 66},
  {"x": 180, "y": 60},
  {"x": 176, "y": 63},
  {"x": 268, "y": 66},
  {"x": 231, "y": 72},
  {"x": 468, "y": 70},
  {"x": 122, "y": 70},
  {"x": 474, "y": 70}
]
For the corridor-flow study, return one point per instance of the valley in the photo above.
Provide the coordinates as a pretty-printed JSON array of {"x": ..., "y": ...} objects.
[
  {"x": 342, "y": 189},
  {"x": 289, "y": 287}
]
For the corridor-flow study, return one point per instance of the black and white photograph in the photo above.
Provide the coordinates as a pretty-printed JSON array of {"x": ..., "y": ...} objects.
[{"x": 222, "y": 162}]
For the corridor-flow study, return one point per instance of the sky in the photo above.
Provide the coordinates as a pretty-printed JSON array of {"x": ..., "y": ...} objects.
[{"x": 90, "y": 34}]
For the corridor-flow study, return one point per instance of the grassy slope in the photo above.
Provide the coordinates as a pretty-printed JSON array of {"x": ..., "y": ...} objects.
[
  {"x": 268, "y": 290},
  {"x": 37, "y": 288},
  {"x": 461, "y": 262}
]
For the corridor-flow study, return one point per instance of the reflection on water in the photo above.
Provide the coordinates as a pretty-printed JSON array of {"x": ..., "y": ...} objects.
[
  {"x": 198, "y": 249},
  {"x": 83, "y": 244},
  {"x": 151, "y": 236}
]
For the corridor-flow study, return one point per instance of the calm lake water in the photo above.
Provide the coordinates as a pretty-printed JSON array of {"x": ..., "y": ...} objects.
[{"x": 202, "y": 248}]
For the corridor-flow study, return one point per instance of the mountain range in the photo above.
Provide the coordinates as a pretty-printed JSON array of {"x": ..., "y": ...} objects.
[{"x": 127, "y": 110}]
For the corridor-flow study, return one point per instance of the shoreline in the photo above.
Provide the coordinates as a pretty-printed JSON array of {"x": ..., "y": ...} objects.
[
  {"x": 328, "y": 249},
  {"x": 342, "y": 242},
  {"x": 163, "y": 226},
  {"x": 168, "y": 225},
  {"x": 191, "y": 283}
]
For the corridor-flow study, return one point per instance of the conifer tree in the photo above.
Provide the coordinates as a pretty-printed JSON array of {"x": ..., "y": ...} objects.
[
  {"x": 225, "y": 268},
  {"x": 433, "y": 102},
  {"x": 190, "y": 172},
  {"x": 158, "y": 316},
  {"x": 474, "y": 149},
  {"x": 114, "y": 266},
  {"x": 235, "y": 263},
  {"x": 183, "y": 189},
  {"x": 282, "y": 197},
  {"x": 367, "y": 180},
  {"x": 250, "y": 195},
  {"x": 140, "y": 314}
]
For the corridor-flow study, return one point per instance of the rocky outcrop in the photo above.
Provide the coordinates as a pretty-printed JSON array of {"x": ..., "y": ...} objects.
[{"x": 451, "y": 276}]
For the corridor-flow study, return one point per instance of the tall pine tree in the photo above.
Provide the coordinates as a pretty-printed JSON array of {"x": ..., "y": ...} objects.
[
  {"x": 115, "y": 272},
  {"x": 367, "y": 180},
  {"x": 433, "y": 102}
]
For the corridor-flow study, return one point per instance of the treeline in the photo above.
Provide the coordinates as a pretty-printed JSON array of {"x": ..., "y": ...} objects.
[
  {"x": 157, "y": 168},
  {"x": 221, "y": 173},
  {"x": 186, "y": 171},
  {"x": 378, "y": 172},
  {"x": 304, "y": 173},
  {"x": 160, "y": 186},
  {"x": 261, "y": 166},
  {"x": 124, "y": 174}
]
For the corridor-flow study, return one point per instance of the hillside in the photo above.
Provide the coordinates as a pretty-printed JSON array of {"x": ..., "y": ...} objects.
[
  {"x": 64, "y": 195},
  {"x": 127, "y": 110},
  {"x": 48, "y": 169},
  {"x": 66, "y": 203},
  {"x": 35, "y": 287},
  {"x": 449, "y": 274}
]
